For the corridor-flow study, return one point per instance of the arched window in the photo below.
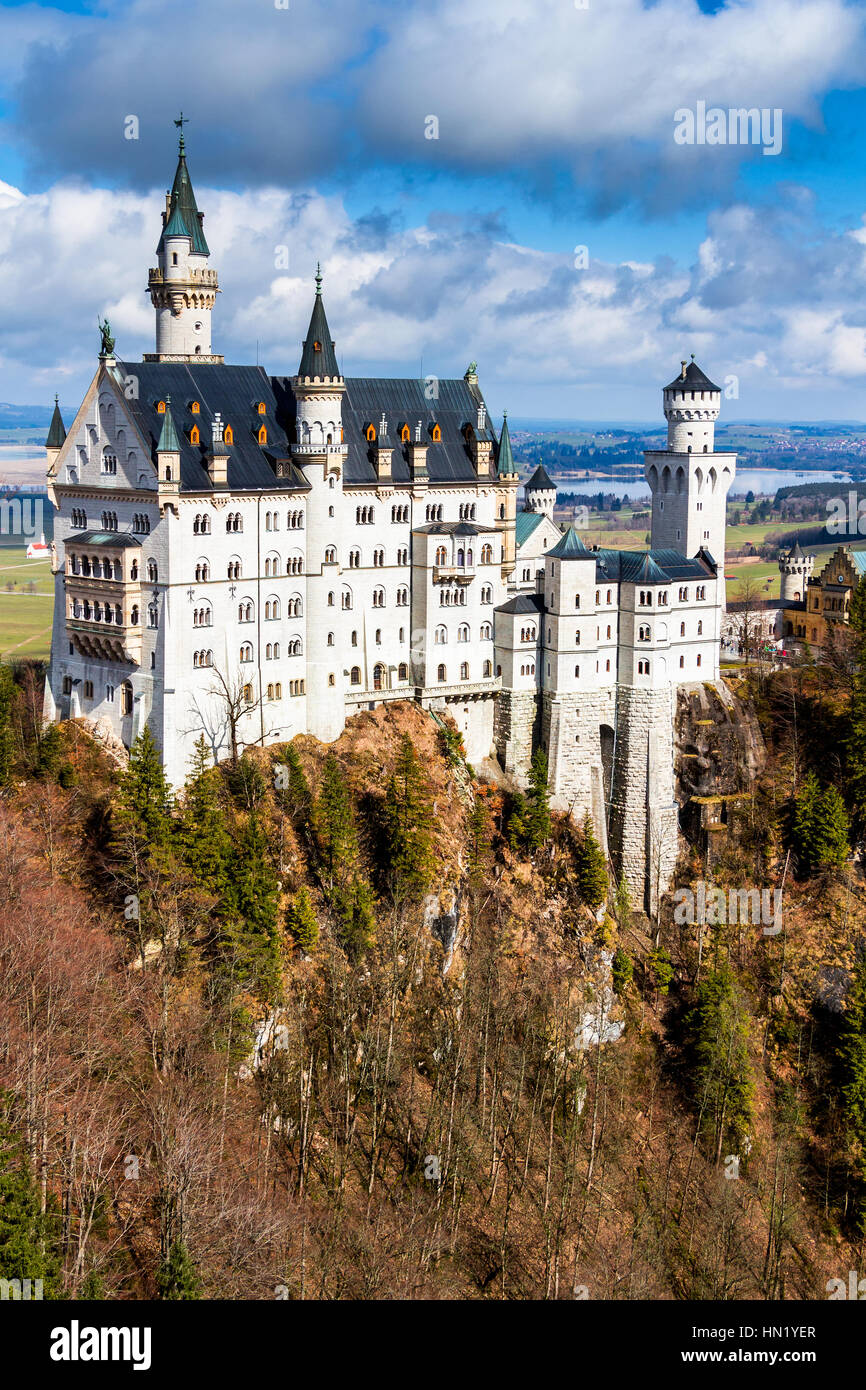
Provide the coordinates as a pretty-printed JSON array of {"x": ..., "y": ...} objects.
[
  {"x": 354, "y": 559},
  {"x": 402, "y": 671},
  {"x": 440, "y": 636},
  {"x": 700, "y": 628},
  {"x": 246, "y": 652},
  {"x": 488, "y": 669},
  {"x": 153, "y": 572},
  {"x": 228, "y": 435},
  {"x": 194, "y": 435},
  {"x": 246, "y": 611},
  {"x": 330, "y": 555},
  {"x": 378, "y": 598},
  {"x": 262, "y": 435},
  {"x": 463, "y": 632},
  {"x": 436, "y": 434},
  {"x": 682, "y": 629},
  {"x": 347, "y": 599},
  {"x": 464, "y": 670},
  {"x": 371, "y": 433},
  {"x": 440, "y": 674},
  {"x": 379, "y": 676},
  {"x": 133, "y": 616},
  {"x": 294, "y": 646},
  {"x": 355, "y": 676},
  {"x": 402, "y": 598},
  {"x": 234, "y": 568},
  {"x": 486, "y": 632},
  {"x": 487, "y": 554},
  {"x": 272, "y": 609},
  {"x": 441, "y": 555},
  {"x": 295, "y": 607}
]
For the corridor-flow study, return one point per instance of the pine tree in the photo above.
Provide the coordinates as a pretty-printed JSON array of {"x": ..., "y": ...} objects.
[
  {"x": 478, "y": 845},
  {"x": 29, "y": 1239},
  {"x": 820, "y": 830},
  {"x": 7, "y": 707},
  {"x": 408, "y": 818},
  {"x": 622, "y": 971},
  {"x": 591, "y": 868},
  {"x": 301, "y": 921},
  {"x": 852, "y": 1053},
  {"x": 538, "y": 803},
  {"x": 722, "y": 1085},
  {"x": 833, "y": 847},
  {"x": 335, "y": 824},
  {"x": 297, "y": 796},
  {"x": 251, "y": 903},
  {"x": 177, "y": 1278},
  {"x": 857, "y": 610},
  {"x": 356, "y": 910},
  {"x": 207, "y": 846},
  {"x": 515, "y": 829},
  {"x": 855, "y": 749},
  {"x": 145, "y": 799}
]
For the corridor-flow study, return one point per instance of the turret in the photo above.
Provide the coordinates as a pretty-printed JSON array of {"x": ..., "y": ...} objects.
[
  {"x": 56, "y": 436},
  {"x": 168, "y": 463},
  {"x": 540, "y": 493},
  {"x": 507, "y": 478},
  {"x": 795, "y": 569},
  {"x": 182, "y": 286}
]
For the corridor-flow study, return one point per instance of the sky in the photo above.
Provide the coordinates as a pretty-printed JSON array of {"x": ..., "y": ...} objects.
[{"x": 522, "y": 183}]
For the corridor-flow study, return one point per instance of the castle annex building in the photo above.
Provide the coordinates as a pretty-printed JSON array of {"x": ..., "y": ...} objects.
[{"x": 250, "y": 556}]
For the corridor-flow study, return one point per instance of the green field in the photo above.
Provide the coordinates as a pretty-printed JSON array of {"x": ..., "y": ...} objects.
[{"x": 25, "y": 617}]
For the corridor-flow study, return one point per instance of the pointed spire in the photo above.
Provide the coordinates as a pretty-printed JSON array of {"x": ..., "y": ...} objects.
[
  {"x": 183, "y": 217},
  {"x": 57, "y": 429},
  {"x": 318, "y": 358},
  {"x": 168, "y": 440},
  {"x": 505, "y": 458}
]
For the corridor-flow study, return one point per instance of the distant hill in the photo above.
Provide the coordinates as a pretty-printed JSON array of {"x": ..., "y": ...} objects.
[{"x": 26, "y": 416}]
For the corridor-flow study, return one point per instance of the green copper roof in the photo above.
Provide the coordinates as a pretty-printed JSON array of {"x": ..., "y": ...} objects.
[
  {"x": 168, "y": 440},
  {"x": 505, "y": 458},
  {"x": 183, "y": 215},
  {"x": 571, "y": 547},
  {"x": 525, "y": 525},
  {"x": 318, "y": 357},
  {"x": 57, "y": 429}
]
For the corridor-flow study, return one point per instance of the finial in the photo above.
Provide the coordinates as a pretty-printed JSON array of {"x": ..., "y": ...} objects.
[
  {"x": 167, "y": 403},
  {"x": 184, "y": 120},
  {"x": 693, "y": 357},
  {"x": 504, "y": 416},
  {"x": 56, "y": 399},
  {"x": 318, "y": 277}
]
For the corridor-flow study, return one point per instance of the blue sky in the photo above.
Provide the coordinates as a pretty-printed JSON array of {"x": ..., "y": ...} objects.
[{"x": 308, "y": 129}]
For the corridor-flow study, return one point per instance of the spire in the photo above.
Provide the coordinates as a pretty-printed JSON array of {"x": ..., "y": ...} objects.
[
  {"x": 168, "y": 440},
  {"x": 571, "y": 547},
  {"x": 57, "y": 429},
  {"x": 318, "y": 357},
  {"x": 183, "y": 217},
  {"x": 505, "y": 458}
]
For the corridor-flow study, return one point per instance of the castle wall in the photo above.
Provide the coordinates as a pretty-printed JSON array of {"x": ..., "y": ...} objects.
[{"x": 643, "y": 811}]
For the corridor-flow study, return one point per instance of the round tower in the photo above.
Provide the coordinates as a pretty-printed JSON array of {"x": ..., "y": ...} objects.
[
  {"x": 540, "y": 493},
  {"x": 795, "y": 569},
  {"x": 183, "y": 288},
  {"x": 691, "y": 404},
  {"x": 319, "y": 452}
]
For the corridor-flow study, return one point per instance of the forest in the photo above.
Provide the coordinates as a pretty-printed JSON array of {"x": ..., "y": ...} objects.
[{"x": 364, "y": 1022}]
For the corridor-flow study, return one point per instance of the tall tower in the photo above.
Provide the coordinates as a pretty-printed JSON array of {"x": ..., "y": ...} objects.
[
  {"x": 688, "y": 480},
  {"x": 182, "y": 286},
  {"x": 320, "y": 453},
  {"x": 795, "y": 569}
]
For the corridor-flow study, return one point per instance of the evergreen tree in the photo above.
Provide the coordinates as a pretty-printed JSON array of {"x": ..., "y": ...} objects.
[
  {"x": 7, "y": 707},
  {"x": 335, "y": 824},
  {"x": 538, "y": 803},
  {"x": 29, "y": 1239},
  {"x": 515, "y": 829},
  {"x": 855, "y": 750},
  {"x": 852, "y": 1052},
  {"x": 408, "y": 819},
  {"x": 622, "y": 971},
  {"x": 819, "y": 833},
  {"x": 251, "y": 903},
  {"x": 177, "y": 1278},
  {"x": 591, "y": 867},
  {"x": 297, "y": 796},
  {"x": 478, "y": 845},
  {"x": 356, "y": 910},
  {"x": 722, "y": 1087},
  {"x": 833, "y": 847},
  {"x": 301, "y": 921},
  {"x": 857, "y": 610},
  {"x": 145, "y": 800},
  {"x": 207, "y": 846}
]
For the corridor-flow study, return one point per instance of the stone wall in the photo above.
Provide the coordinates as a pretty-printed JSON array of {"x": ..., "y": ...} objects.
[
  {"x": 514, "y": 730},
  {"x": 643, "y": 813}
]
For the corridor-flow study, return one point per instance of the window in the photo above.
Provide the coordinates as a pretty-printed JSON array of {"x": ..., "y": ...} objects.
[
  {"x": 365, "y": 516},
  {"x": 133, "y": 616},
  {"x": 330, "y": 641},
  {"x": 699, "y": 658},
  {"x": 403, "y": 555},
  {"x": 152, "y": 615},
  {"x": 272, "y": 609},
  {"x": 354, "y": 637},
  {"x": 378, "y": 558},
  {"x": 234, "y": 569},
  {"x": 402, "y": 598},
  {"x": 295, "y": 520},
  {"x": 153, "y": 572},
  {"x": 682, "y": 629},
  {"x": 402, "y": 671},
  {"x": 701, "y": 592},
  {"x": 88, "y": 690},
  {"x": 109, "y": 521},
  {"x": 464, "y": 670},
  {"x": 487, "y": 554},
  {"x": 194, "y": 435},
  {"x": 379, "y": 676},
  {"x": 246, "y": 611},
  {"x": 331, "y": 599},
  {"x": 262, "y": 435},
  {"x": 109, "y": 462},
  {"x": 295, "y": 607},
  {"x": 294, "y": 646},
  {"x": 330, "y": 555},
  {"x": 248, "y": 694},
  {"x": 463, "y": 632},
  {"x": 440, "y": 673},
  {"x": 261, "y": 408},
  {"x": 486, "y": 632},
  {"x": 700, "y": 629},
  {"x": 487, "y": 594},
  {"x": 79, "y": 518},
  {"x": 436, "y": 434},
  {"x": 332, "y": 680},
  {"x": 246, "y": 652},
  {"x": 577, "y": 670},
  {"x": 354, "y": 559},
  {"x": 234, "y": 522},
  {"x": 355, "y": 676},
  {"x": 577, "y": 600},
  {"x": 441, "y": 555},
  {"x": 682, "y": 662},
  {"x": 201, "y": 525},
  {"x": 378, "y": 598},
  {"x": 202, "y": 572}
]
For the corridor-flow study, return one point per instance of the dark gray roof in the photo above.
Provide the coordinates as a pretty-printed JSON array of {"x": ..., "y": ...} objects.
[
  {"x": 115, "y": 538},
  {"x": 57, "y": 429},
  {"x": 403, "y": 402},
  {"x": 523, "y": 603},
  {"x": 540, "y": 481},
  {"x": 452, "y": 528},
  {"x": 691, "y": 378},
  {"x": 234, "y": 392},
  {"x": 319, "y": 358}
]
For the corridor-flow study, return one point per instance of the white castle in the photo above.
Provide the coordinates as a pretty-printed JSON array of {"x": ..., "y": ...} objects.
[{"x": 253, "y": 556}]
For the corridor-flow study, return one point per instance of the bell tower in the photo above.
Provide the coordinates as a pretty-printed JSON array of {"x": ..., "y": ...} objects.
[{"x": 182, "y": 286}]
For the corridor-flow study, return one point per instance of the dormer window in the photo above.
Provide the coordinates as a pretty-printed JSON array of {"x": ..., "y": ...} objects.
[
  {"x": 371, "y": 433},
  {"x": 263, "y": 435},
  {"x": 317, "y": 347},
  {"x": 160, "y": 407},
  {"x": 228, "y": 435},
  {"x": 261, "y": 408},
  {"x": 405, "y": 434},
  {"x": 194, "y": 436},
  {"x": 436, "y": 434},
  {"x": 195, "y": 408}
]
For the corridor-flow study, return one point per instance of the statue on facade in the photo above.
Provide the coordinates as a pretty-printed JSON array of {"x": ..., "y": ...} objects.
[{"x": 107, "y": 348}]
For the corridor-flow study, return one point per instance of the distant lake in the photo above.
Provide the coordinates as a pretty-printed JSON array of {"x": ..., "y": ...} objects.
[{"x": 755, "y": 480}]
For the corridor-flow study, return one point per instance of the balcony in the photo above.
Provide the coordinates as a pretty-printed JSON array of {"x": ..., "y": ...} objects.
[{"x": 461, "y": 574}]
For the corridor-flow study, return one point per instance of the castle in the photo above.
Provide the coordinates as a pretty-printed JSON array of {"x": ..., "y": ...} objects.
[{"x": 251, "y": 557}]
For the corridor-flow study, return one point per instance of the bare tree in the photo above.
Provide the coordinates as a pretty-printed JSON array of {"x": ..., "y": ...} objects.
[{"x": 232, "y": 699}]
